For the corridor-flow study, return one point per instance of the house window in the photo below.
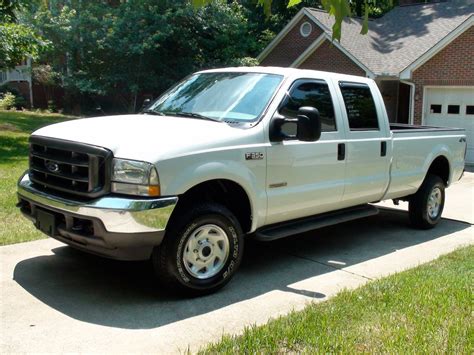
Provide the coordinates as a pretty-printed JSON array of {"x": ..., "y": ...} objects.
[
  {"x": 470, "y": 110},
  {"x": 360, "y": 106},
  {"x": 435, "y": 108},
  {"x": 305, "y": 29},
  {"x": 314, "y": 94},
  {"x": 453, "y": 109}
]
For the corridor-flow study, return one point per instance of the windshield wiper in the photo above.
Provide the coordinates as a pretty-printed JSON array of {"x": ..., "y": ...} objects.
[
  {"x": 193, "y": 115},
  {"x": 152, "y": 112}
]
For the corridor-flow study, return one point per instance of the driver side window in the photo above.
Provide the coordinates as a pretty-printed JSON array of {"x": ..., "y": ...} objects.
[{"x": 314, "y": 93}]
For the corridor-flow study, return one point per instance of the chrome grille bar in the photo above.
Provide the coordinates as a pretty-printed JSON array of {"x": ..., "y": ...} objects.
[{"x": 70, "y": 167}]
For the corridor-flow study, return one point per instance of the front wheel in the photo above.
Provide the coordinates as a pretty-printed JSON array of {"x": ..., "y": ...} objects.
[
  {"x": 426, "y": 206},
  {"x": 202, "y": 252}
]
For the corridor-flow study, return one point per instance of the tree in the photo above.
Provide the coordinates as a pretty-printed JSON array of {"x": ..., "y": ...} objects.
[
  {"x": 17, "y": 41},
  {"x": 110, "y": 52},
  {"x": 122, "y": 49},
  {"x": 337, "y": 8}
]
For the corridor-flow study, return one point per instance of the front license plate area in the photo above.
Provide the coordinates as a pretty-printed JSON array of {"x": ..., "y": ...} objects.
[{"x": 46, "y": 222}]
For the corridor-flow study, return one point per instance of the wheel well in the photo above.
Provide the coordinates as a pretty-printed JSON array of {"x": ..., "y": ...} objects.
[
  {"x": 225, "y": 192},
  {"x": 440, "y": 167}
]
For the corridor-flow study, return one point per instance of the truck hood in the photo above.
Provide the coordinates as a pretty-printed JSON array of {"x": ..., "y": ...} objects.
[{"x": 149, "y": 138}]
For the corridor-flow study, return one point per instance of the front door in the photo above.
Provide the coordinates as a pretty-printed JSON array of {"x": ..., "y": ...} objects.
[{"x": 306, "y": 178}]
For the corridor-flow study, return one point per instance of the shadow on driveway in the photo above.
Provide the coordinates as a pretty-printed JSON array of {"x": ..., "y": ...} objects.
[{"x": 123, "y": 294}]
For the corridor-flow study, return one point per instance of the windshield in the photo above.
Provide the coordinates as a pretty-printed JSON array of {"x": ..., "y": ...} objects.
[{"x": 225, "y": 96}]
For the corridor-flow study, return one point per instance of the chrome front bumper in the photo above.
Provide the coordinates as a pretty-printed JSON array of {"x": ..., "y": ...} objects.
[{"x": 118, "y": 222}]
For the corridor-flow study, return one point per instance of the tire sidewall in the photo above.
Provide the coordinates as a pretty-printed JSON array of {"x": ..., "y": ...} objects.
[
  {"x": 426, "y": 216},
  {"x": 235, "y": 239}
]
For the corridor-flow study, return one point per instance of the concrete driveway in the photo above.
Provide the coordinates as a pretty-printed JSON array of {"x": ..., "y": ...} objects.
[{"x": 55, "y": 299}]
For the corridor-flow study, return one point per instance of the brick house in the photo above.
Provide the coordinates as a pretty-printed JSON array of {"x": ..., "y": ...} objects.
[
  {"x": 420, "y": 55},
  {"x": 20, "y": 79}
]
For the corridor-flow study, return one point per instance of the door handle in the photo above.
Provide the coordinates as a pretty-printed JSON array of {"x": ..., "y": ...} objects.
[
  {"x": 341, "y": 151},
  {"x": 383, "y": 149}
]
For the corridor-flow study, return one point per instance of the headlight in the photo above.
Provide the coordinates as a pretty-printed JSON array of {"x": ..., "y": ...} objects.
[{"x": 133, "y": 177}]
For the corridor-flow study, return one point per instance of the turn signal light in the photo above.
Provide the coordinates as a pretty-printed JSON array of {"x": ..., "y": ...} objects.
[{"x": 153, "y": 190}]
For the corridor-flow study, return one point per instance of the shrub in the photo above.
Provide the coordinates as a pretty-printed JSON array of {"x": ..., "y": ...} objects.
[
  {"x": 20, "y": 101},
  {"x": 7, "y": 101},
  {"x": 245, "y": 62},
  {"x": 51, "y": 106}
]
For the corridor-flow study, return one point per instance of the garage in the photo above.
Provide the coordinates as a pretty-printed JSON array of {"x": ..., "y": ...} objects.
[{"x": 451, "y": 107}]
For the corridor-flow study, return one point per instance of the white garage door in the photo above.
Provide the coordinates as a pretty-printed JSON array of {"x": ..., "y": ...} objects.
[{"x": 452, "y": 107}]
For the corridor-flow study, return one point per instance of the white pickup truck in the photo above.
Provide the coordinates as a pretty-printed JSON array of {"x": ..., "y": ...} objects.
[{"x": 228, "y": 153}]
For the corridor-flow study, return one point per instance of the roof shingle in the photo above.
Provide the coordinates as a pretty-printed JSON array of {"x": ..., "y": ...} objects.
[{"x": 397, "y": 39}]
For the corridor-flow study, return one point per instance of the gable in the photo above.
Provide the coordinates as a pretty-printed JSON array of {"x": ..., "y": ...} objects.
[
  {"x": 454, "y": 62},
  {"x": 290, "y": 47},
  {"x": 327, "y": 57}
]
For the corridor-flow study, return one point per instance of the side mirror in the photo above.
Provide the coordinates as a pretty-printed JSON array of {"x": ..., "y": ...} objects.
[{"x": 309, "y": 124}]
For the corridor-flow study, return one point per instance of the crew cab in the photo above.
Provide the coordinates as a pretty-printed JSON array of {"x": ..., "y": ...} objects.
[{"x": 227, "y": 154}]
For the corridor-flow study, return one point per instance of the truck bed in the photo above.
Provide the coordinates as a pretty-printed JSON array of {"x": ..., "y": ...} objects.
[
  {"x": 402, "y": 127},
  {"x": 414, "y": 149}
]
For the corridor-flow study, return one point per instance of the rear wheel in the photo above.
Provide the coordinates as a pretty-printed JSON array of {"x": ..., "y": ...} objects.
[
  {"x": 201, "y": 252},
  {"x": 426, "y": 206}
]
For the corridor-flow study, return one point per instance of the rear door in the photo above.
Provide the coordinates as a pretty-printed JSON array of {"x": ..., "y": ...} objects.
[
  {"x": 368, "y": 144},
  {"x": 306, "y": 178}
]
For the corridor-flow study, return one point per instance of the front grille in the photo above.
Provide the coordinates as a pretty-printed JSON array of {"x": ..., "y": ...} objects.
[{"x": 70, "y": 167}]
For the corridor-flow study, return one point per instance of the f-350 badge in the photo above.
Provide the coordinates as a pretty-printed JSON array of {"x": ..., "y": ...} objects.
[{"x": 254, "y": 156}]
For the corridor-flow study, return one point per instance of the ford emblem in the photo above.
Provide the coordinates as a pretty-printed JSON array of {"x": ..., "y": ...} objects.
[{"x": 52, "y": 166}]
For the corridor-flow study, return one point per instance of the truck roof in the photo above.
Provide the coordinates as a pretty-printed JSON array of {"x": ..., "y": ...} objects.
[{"x": 290, "y": 72}]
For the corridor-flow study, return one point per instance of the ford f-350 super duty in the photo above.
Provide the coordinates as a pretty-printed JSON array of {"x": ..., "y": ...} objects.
[{"x": 229, "y": 153}]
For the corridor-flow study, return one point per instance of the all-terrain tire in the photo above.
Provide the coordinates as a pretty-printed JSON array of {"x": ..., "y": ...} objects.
[
  {"x": 426, "y": 206},
  {"x": 183, "y": 262}
]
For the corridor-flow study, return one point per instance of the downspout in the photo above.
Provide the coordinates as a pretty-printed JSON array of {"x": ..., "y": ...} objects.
[{"x": 412, "y": 101}]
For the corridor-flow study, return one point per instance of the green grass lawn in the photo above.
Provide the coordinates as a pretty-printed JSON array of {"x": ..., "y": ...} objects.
[
  {"x": 15, "y": 128},
  {"x": 426, "y": 310}
]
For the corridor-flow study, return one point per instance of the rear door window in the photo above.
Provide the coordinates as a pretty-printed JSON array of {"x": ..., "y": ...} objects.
[{"x": 360, "y": 106}]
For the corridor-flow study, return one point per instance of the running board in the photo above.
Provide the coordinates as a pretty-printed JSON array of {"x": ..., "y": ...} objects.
[{"x": 302, "y": 225}]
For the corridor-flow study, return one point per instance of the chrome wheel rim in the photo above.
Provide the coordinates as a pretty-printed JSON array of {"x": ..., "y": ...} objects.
[
  {"x": 206, "y": 251},
  {"x": 434, "y": 202}
]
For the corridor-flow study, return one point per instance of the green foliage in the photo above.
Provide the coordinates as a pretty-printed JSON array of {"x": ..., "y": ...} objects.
[
  {"x": 20, "y": 101},
  {"x": 337, "y": 8},
  {"x": 44, "y": 74},
  {"x": 7, "y": 10},
  {"x": 17, "y": 42},
  {"x": 245, "y": 62},
  {"x": 139, "y": 45},
  {"x": 7, "y": 102},
  {"x": 109, "y": 54},
  {"x": 51, "y": 106}
]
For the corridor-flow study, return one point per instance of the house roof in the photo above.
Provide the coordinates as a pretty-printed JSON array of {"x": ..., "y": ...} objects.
[{"x": 400, "y": 37}]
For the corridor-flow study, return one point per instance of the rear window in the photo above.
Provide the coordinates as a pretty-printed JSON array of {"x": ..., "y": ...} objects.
[{"x": 360, "y": 106}]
